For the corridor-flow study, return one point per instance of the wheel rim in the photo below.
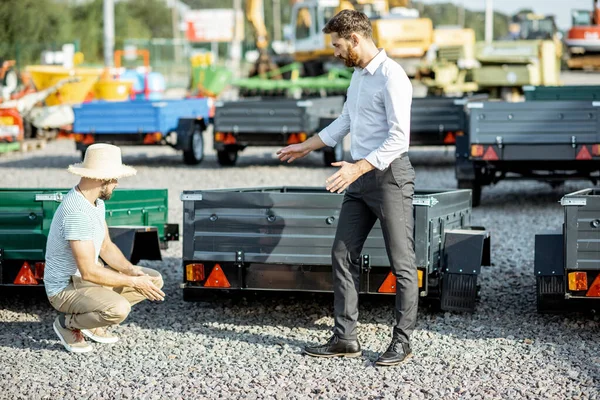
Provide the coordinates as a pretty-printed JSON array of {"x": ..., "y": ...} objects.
[{"x": 197, "y": 145}]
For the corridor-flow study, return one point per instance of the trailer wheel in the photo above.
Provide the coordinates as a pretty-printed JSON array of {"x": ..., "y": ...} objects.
[
  {"x": 227, "y": 158},
  {"x": 475, "y": 189},
  {"x": 195, "y": 149},
  {"x": 29, "y": 131},
  {"x": 333, "y": 155}
]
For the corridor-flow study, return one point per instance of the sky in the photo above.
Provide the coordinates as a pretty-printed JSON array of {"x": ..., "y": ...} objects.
[{"x": 560, "y": 8}]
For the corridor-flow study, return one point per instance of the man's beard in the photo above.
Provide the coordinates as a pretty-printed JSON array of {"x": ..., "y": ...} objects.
[
  {"x": 351, "y": 60},
  {"x": 104, "y": 194}
]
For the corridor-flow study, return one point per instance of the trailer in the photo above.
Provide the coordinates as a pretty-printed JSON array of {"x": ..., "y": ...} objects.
[
  {"x": 177, "y": 123},
  {"x": 267, "y": 121},
  {"x": 567, "y": 261},
  {"x": 281, "y": 238},
  {"x": 273, "y": 122},
  {"x": 572, "y": 92},
  {"x": 549, "y": 141},
  {"x": 137, "y": 221},
  {"x": 437, "y": 121}
]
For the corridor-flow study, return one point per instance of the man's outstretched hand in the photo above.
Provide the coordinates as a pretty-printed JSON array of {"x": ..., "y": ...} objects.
[{"x": 293, "y": 152}]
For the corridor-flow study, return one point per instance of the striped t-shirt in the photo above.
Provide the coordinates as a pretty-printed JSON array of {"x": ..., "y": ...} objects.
[{"x": 75, "y": 219}]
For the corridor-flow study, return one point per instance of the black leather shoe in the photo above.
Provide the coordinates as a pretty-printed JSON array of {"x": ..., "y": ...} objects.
[
  {"x": 396, "y": 353},
  {"x": 335, "y": 347}
]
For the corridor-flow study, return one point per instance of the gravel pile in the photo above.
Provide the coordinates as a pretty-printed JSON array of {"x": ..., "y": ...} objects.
[{"x": 249, "y": 347}]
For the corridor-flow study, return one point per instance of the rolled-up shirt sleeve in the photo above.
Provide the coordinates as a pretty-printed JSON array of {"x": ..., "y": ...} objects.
[
  {"x": 397, "y": 98},
  {"x": 336, "y": 131}
]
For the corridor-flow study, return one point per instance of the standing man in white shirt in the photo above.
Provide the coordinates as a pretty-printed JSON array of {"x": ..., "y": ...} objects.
[{"x": 379, "y": 184}]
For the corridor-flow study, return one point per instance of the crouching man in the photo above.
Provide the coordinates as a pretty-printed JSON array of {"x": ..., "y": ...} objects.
[{"x": 90, "y": 296}]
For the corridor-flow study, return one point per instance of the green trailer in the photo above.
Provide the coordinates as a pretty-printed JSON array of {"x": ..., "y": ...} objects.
[
  {"x": 574, "y": 92},
  {"x": 137, "y": 220}
]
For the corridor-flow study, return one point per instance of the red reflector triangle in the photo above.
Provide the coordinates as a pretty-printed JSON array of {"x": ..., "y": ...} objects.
[
  {"x": 594, "y": 290},
  {"x": 389, "y": 285},
  {"x": 584, "y": 154},
  {"x": 217, "y": 278},
  {"x": 25, "y": 276},
  {"x": 490, "y": 154},
  {"x": 449, "y": 139}
]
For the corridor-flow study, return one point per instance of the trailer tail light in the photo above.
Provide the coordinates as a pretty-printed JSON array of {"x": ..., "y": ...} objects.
[
  {"x": 578, "y": 281},
  {"x": 296, "y": 138},
  {"x": 450, "y": 138},
  {"x": 596, "y": 150},
  {"x": 219, "y": 137},
  {"x": 39, "y": 270},
  {"x": 194, "y": 272},
  {"x": 583, "y": 154},
  {"x": 293, "y": 139},
  {"x": 25, "y": 276},
  {"x": 85, "y": 139},
  {"x": 476, "y": 150},
  {"x": 420, "y": 276},
  {"x": 217, "y": 278},
  {"x": 490, "y": 154},
  {"x": 595, "y": 288},
  {"x": 388, "y": 285},
  {"x": 152, "y": 138},
  {"x": 230, "y": 139}
]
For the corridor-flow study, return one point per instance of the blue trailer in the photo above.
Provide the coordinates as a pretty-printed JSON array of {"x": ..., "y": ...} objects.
[{"x": 177, "y": 123}]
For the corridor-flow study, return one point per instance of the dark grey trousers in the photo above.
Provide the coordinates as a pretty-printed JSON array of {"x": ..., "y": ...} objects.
[{"x": 385, "y": 195}]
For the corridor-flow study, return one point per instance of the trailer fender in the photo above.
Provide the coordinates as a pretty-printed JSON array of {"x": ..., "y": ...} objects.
[
  {"x": 549, "y": 254},
  {"x": 549, "y": 272},
  {"x": 185, "y": 127},
  {"x": 136, "y": 242},
  {"x": 464, "y": 253}
]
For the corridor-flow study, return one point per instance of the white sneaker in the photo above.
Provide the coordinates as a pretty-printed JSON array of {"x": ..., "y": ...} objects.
[
  {"x": 100, "y": 335},
  {"x": 72, "y": 339}
]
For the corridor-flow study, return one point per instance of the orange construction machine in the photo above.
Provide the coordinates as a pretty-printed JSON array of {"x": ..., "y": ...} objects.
[{"x": 583, "y": 39}]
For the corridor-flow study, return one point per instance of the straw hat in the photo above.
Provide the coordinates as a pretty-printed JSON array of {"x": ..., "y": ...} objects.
[{"x": 103, "y": 162}]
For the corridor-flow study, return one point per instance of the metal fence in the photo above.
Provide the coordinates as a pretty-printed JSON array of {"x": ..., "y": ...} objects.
[{"x": 29, "y": 53}]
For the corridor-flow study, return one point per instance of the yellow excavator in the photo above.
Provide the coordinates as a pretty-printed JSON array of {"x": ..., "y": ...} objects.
[
  {"x": 396, "y": 28},
  {"x": 255, "y": 15}
]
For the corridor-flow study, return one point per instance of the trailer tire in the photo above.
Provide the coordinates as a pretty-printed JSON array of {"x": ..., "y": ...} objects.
[
  {"x": 333, "y": 155},
  {"x": 227, "y": 158},
  {"x": 29, "y": 131},
  {"x": 195, "y": 149},
  {"x": 475, "y": 189}
]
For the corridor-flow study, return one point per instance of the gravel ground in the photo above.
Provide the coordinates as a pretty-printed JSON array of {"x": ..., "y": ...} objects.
[{"x": 251, "y": 347}]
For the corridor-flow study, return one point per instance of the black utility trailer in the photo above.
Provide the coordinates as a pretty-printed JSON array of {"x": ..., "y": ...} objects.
[
  {"x": 543, "y": 140},
  {"x": 281, "y": 238},
  {"x": 438, "y": 121},
  {"x": 567, "y": 261},
  {"x": 273, "y": 122}
]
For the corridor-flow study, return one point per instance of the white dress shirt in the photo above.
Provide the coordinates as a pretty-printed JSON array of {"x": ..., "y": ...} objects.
[{"x": 376, "y": 112}]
